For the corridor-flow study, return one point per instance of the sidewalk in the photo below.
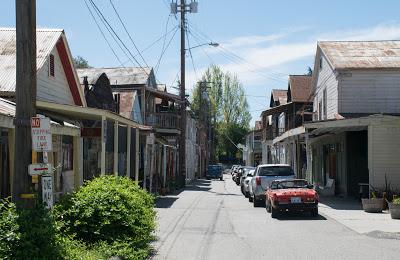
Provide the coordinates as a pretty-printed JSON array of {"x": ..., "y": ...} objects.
[{"x": 349, "y": 213}]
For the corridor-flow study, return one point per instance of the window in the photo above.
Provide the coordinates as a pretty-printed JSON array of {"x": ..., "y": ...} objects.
[
  {"x": 67, "y": 153},
  {"x": 320, "y": 110},
  {"x": 320, "y": 62},
  {"x": 51, "y": 65},
  {"x": 324, "y": 101}
]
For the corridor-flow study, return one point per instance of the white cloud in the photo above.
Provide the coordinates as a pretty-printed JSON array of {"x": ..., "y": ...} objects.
[{"x": 261, "y": 53}]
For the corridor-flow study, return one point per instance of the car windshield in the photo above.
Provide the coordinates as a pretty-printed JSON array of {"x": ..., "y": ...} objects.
[
  {"x": 214, "y": 167},
  {"x": 289, "y": 184},
  {"x": 275, "y": 171}
]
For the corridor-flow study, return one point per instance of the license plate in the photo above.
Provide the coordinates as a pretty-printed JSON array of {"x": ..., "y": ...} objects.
[{"x": 295, "y": 200}]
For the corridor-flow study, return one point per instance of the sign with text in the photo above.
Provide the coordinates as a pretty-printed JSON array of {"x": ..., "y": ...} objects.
[
  {"x": 41, "y": 134},
  {"x": 40, "y": 169},
  {"x": 47, "y": 191}
]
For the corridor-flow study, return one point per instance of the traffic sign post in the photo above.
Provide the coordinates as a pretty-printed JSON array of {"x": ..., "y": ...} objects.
[
  {"x": 41, "y": 134},
  {"x": 40, "y": 169},
  {"x": 47, "y": 190}
]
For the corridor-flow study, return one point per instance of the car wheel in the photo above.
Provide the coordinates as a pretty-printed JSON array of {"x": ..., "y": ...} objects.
[
  {"x": 274, "y": 212},
  {"x": 268, "y": 206},
  {"x": 314, "y": 212},
  {"x": 250, "y": 198},
  {"x": 256, "y": 202},
  {"x": 221, "y": 178}
]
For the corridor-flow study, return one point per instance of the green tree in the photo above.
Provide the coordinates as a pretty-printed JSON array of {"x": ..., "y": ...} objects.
[
  {"x": 80, "y": 63},
  {"x": 229, "y": 115}
]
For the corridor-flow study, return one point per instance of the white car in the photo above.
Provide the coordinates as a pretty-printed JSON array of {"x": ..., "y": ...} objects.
[
  {"x": 246, "y": 183},
  {"x": 263, "y": 176}
]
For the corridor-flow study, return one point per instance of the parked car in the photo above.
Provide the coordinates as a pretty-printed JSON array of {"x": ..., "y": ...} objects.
[
  {"x": 246, "y": 183},
  {"x": 236, "y": 172},
  {"x": 243, "y": 176},
  {"x": 291, "y": 195},
  {"x": 214, "y": 172},
  {"x": 233, "y": 168},
  {"x": 264, "y": 175}
]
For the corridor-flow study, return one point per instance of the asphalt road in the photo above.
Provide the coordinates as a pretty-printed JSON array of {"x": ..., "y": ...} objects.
[{"x": 213, "y": 220}]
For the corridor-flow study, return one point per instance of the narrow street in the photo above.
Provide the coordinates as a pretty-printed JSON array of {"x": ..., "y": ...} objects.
[{"x": 213, "y": 220}]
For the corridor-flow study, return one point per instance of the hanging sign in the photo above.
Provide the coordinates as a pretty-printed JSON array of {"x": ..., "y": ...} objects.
[{"x": 41, "y": 134}]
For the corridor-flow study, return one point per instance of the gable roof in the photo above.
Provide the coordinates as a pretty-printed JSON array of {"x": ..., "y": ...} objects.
[
  {"x": 46, "y": 41},
  {"x": 120, "y": 75},
  {"x": 300, "y": 88},
  {"x": 362, "y": 54},
  {"x": 278, "y": 95}
]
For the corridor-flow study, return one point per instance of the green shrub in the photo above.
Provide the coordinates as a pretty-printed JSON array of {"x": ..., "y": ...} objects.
[
  {"x": 9, "y": 234},
  {"x": 38, "y": 234},
  {"x": 396, "y": 200},
  {"x": 107, "y": 211}
]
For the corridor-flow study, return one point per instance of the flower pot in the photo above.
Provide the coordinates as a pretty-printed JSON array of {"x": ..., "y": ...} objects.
[
  {"x": 373, "y": 205},
  {"x": 394, "y": 210}
]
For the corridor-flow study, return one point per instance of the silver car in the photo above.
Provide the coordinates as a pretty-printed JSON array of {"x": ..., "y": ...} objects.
[
  {"x": 246, "y": 183},
  {"x": 263, "y": 176}
]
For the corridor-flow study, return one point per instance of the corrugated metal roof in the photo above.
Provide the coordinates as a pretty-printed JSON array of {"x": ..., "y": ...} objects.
[
  {"x": 362, "y": 54},
  {"x": 118, "y": 76},
  {"x": 300, "y": 88},
  {"x": 7, "y": 107},
  {"x": 46, "y": 40}
]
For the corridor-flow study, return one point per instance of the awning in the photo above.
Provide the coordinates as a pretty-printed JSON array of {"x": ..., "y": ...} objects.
[
  {"x": 86, "y": 113},
  {"x": 292, "y": 132},
  {"x": 339, "y": 126}
]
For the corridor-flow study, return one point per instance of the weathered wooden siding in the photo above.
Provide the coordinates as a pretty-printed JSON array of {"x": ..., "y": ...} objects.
[
  {"x": 370, "y": 92},
  {"x": 384, "y": 153},
  {"x": 54, "y": 89},
  {"x": 327, "y": 80}
]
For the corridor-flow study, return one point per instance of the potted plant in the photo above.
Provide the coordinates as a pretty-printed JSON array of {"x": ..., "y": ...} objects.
[
  {"x": 394, "y": 208},
  {"x": 373, "y": 204}
]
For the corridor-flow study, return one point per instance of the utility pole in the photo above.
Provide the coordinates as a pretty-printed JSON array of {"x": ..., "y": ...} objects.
[
  {"x": 182, "y": 145},
  {"x": 183, "y": 8},
  {"x": 25, "y": 91}
]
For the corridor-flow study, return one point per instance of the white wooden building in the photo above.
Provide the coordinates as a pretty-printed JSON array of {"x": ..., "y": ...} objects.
[{"x": 354, "y": 139}]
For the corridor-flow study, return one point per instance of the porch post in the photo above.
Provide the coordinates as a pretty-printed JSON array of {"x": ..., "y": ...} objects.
[
  {"x": 116, "y": 148},
  {"x": 103, "y": 144},
  {"x": 128, "y": 151},
  {"x": 137, "y": 155},
  {"x": 164, "y": 168}
]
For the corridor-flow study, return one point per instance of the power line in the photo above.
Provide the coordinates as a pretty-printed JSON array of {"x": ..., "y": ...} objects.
[
  {"x": 163, "y": 52},
  {"x": 190, "y": 53},
  {"x": 116, "y": 35},
  {"x": 129, "y": 35}
]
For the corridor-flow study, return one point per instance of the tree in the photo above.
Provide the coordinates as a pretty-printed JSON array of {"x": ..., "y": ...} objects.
[
  {"x": 229, "y": 110},
  {"x": 80, "y": 63}
]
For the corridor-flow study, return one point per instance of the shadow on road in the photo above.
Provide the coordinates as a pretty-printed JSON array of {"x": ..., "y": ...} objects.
[
  {"x": 341, "y": 203},
  {"x": 165, "y": 202},
  {"x": 298, "y": 216}
]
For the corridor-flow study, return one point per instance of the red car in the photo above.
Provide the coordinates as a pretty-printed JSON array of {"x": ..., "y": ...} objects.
[{"x": 291, "y": 195}]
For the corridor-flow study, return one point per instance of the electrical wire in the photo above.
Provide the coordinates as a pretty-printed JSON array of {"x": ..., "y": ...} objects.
[
  {"x": 190, "y": 53},
  {"x": 117, "y": 36},
  {"x": 162, "y": 54},
  {"x": 102, "y": 33},
  {"x": 129, "y": 35}
]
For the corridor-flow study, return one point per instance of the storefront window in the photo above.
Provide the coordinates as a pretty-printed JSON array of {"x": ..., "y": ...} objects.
[{"x": 67, "y": 153}]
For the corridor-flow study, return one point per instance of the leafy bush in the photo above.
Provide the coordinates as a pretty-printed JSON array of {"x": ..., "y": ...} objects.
[
  {"x": 396, "y": 201},
  {"x": 9, "y": 234},
  {"x": 110, "y": 213}
]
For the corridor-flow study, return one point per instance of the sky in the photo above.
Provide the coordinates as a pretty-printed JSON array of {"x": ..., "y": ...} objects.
[{"x": 262, "y": 41}]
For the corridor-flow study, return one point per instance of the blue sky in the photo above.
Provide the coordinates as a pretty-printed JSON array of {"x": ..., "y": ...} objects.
[{"x": 262, "y": 41}]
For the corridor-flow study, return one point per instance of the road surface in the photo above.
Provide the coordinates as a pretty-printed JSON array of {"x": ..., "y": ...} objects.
[{"x": 213, "y": 220}]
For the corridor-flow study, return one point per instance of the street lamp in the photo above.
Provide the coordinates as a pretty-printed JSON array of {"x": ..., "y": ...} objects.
[{"x": 213, "y": 44}]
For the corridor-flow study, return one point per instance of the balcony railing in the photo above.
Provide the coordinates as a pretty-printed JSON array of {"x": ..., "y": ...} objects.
[{"x": 163, "y": 120}]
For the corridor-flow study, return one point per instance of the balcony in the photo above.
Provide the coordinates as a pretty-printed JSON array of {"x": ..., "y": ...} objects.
[{"x": 163, "y": 120}]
